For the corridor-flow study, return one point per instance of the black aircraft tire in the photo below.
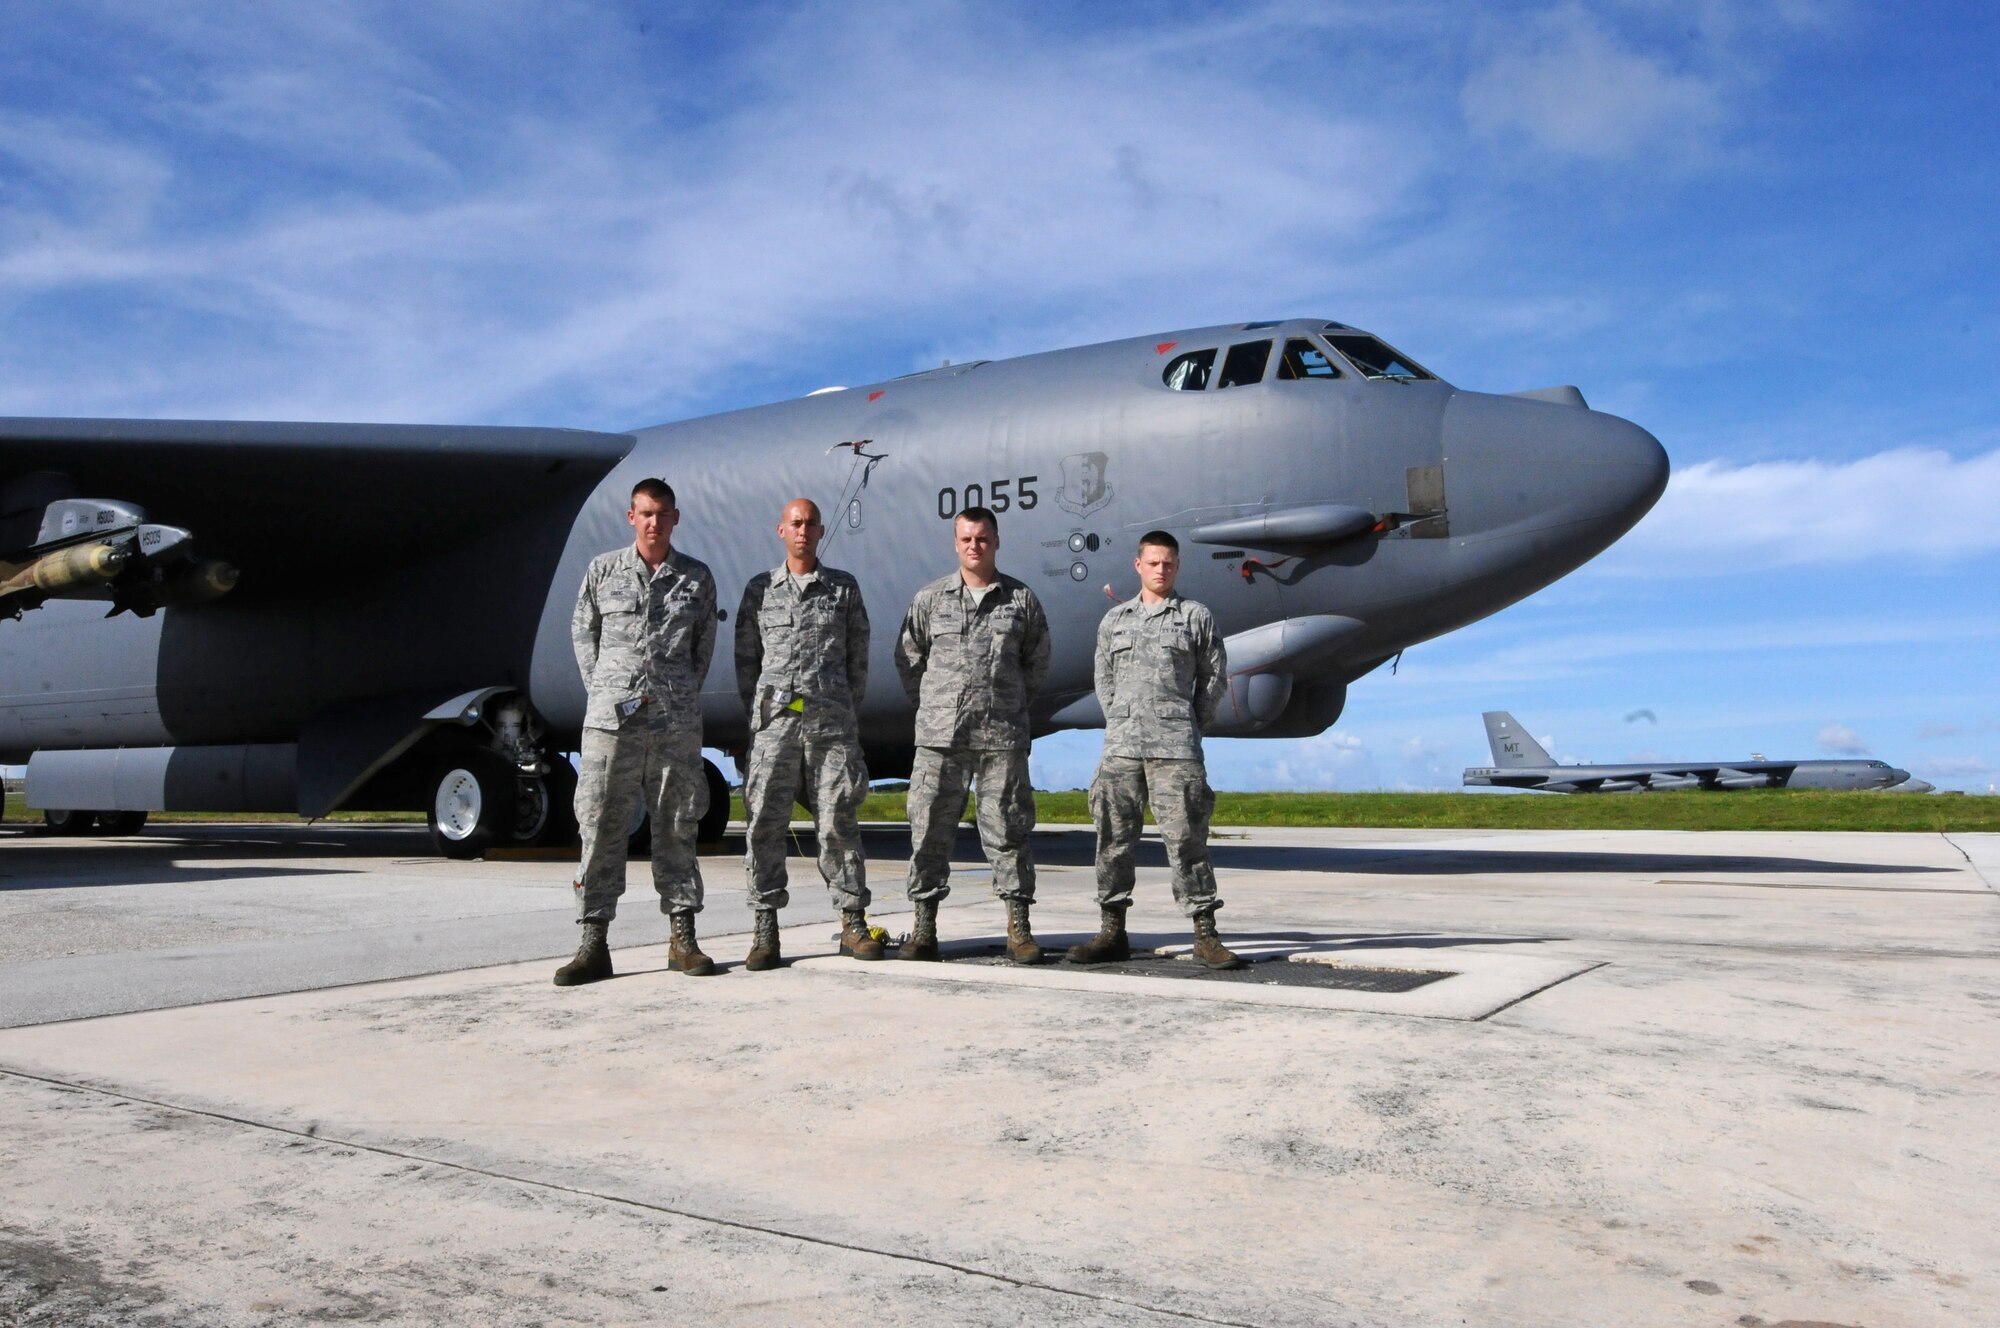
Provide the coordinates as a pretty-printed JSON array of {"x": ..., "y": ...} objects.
[
  {"x": 714, "y": 821},
  {"x": 558, "y": 828},
  {"x": 120, "y": 823},
  {"x": 63, "y": 822},
  {"x": 472, "y": 804}
]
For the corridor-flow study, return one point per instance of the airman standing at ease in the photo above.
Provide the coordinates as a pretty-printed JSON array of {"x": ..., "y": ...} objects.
[
  {"x": 973, "y": 652},
  {"x": 1161, "y": 673},
  {"x": 644, "y": 631},
  {"x": 802, "y": 669}
]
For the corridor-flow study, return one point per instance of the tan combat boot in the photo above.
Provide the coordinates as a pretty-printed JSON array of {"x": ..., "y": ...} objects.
[
  {"x": 923, "y": 942},
  {"x": 1022, "y": 948},
  {"x": 593, "y": 957},
  {"x": 1209, "y": 951},
  {"x": 763, "y": 942},
  {"x": 1110, "y": 945},
  {"x": 856, "y": 939},
  {"x": 684, "y": 955}
]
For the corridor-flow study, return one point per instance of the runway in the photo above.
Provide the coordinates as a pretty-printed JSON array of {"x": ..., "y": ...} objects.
[{"x": 259, "y": 1075}]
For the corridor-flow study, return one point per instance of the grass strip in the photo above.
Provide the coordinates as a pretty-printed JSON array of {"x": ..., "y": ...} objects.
[{"x": 1755, "y": 809}]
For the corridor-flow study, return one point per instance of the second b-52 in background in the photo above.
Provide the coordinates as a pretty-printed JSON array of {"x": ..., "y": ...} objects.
[{"x": 1521, "y": 762}]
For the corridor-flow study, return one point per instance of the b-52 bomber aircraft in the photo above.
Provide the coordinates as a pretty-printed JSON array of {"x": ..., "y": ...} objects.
[
  {"x": 1521, "y": 762},
  {"x": 305, "y": 617}
]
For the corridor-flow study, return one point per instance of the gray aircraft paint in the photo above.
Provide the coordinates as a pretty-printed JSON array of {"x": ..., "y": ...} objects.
[
  {"x": 1521, "y": 762},
  {"x": 387, "y": 569}
]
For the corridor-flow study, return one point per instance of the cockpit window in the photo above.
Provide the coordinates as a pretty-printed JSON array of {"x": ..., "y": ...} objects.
[
  {"x": 1374, "y": 359},
  {"x": 1245, "y": 364},
  {"x": 1302, "y": 359},
  {"x": 1189, "y": 372}
]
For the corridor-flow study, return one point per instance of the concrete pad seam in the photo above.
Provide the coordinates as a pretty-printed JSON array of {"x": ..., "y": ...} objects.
[
  {"x": 1969, "y": 862},
  {"x": 665, "y": 1210},
  {"x": 1529, "y": 995}
]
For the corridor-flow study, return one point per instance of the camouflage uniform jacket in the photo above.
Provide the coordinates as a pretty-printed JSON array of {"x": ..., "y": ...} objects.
[
  {"x": 641, "y": 634},
  {"x": 1161, "y": 673},
  {"x": 802, "y": 638},
  {"x": 971, "y": 667}
]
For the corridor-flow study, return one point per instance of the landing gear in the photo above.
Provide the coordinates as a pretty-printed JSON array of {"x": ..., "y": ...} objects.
[
  {"x": 68, "y": 822},
  {"x": 120, "y": 823},
  {"x": 480, "y": 800},
  {"x": 475, "y": 801}
]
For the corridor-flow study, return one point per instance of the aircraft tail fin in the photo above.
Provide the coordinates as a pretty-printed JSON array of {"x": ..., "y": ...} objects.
[{"x": 1510, "y": 742}]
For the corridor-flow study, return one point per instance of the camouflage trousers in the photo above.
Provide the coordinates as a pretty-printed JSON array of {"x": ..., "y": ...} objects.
[
  {"x": 1182, "y": 802},
  {"x": 938, "y": 785},
  {"x": 786, "y": 758},
  {"x": 621, "y": 774}
]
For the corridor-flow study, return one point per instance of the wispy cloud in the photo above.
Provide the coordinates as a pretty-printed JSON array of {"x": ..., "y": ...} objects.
[
  {"x": 1571, "y": 87},
  {"x": 1471, "y": 661},
  {"x": 525, "y": 250},
  {"x": 1840, "y": 740},
  {"x": 1918, "y": 503},
  {"x": 1954, "y": 767}
]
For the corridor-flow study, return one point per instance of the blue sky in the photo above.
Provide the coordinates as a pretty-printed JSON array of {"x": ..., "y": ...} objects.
[{"x": 1763, "y": 231}]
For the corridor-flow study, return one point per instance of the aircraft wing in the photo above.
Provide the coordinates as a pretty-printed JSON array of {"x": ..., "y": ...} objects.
[{"x": 289, "y": 502}]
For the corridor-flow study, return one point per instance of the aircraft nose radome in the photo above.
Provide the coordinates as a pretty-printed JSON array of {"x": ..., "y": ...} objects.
[
  {"x": 1515, "y": 468},
  {"x": 1631, "y": 449}
]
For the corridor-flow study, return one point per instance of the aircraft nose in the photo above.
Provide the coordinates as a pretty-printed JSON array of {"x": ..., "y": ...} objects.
[{"x": 1562, "y": 476}]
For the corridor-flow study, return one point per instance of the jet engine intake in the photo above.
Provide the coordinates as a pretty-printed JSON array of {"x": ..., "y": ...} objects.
[{"x": 1255, "y": 701}]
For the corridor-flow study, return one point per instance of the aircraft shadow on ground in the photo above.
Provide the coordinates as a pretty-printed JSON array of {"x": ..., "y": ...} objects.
[
  {"x": 33, "y": 860},
  {"x": 51, "y": 871},
  {"x": 30, "y": 859}
]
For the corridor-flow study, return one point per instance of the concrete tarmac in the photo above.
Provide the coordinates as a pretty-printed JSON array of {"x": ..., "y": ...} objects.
[{"x": 271, "y": 1075}]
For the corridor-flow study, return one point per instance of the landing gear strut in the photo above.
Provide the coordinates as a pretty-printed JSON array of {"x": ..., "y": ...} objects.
[{"x": 480, "y": 801}]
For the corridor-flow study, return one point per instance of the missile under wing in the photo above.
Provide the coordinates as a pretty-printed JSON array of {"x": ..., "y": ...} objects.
[
  {"x": 1521, "y": 762},
  {"x": 393, "y": 626}
]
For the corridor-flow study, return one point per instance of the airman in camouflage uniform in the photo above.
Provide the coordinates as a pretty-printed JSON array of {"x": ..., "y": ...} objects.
[
  {"x": 802, "y": 669},
  {"x": 973, "y": 652},
  {"x": 644, "y": 631},
  {"x": 1161, "y": 673}
]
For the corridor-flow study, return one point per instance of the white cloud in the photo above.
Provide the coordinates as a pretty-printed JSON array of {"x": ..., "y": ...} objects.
[
  {"x": 1917, "y": 503},
  {"x": 1573, "y": 89},
  {"x": 1840, "y": 740},
  {"x": 1331, "y": 760},
  {"x": 1953, "y": 767},
  {"x": 1550, "y": 656}
]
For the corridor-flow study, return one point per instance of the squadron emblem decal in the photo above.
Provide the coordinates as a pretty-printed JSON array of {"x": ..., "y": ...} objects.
[{"x": 1084, "y": 488}]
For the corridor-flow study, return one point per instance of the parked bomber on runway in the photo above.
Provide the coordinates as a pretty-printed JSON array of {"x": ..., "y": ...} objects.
[
  {"x": 316, "y": 616},
  {"x": 1521, "y": 762}
]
